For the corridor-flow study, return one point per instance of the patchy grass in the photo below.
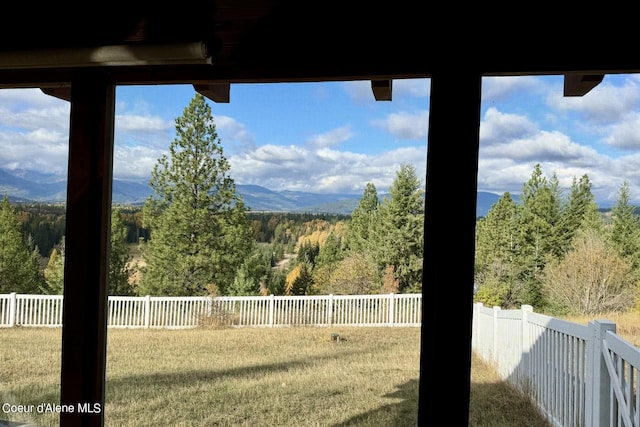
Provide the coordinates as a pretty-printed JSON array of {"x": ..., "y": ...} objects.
[
  {"x": 230, "y": 377},
  {"x": 250, "y": 377},
  {"x": 495, "y": 403}
]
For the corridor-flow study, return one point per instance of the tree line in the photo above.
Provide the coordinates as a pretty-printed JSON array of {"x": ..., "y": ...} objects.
[
  {"x": 21, "y": 262},
  {"x": 559, "y": 253},
  {"x": 196, "y": 236}
]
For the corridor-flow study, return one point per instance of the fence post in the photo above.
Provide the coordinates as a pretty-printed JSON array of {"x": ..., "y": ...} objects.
[
  {"x": 272, "y": 301},
  {"x": 475, "y": 339},
  {"x": 12, "y": 309},
  {"x": 524, "y": 366},
  {"x": 147, "y": 311},
  {"x": 330, "y": 310},
  {"x": 494, "y": 349},
  {"x": 391, "y": 309},
  {"x": 598, "y": 397}
]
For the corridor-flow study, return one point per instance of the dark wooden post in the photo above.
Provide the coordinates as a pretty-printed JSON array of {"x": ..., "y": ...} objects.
[
  {"x": 448, "y": 271},
  {"x": 87, "y": 237}
]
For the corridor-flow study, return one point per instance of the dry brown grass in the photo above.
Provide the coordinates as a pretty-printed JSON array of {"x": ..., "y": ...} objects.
[
  {"x": 627, "y": 324},
  {"x": 494, "y": 403},
  {"x": 251, "y": 377},
  {"x": 230, "y": 377}
]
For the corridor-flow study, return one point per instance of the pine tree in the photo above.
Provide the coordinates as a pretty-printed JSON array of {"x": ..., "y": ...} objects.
[
  {"x": 19, "y": 261},
  {"x": 362, "y": 218},
  {"x": 538, "y": 227},
  {"x": 119, "y": 257},
  {"x": 581, "y": 213},
  {"x": 496, "y": 252},
  {"x": 397, "y": 237},
  {"x": 200, "y": 234},
  {"x": 625, "y": 231}
]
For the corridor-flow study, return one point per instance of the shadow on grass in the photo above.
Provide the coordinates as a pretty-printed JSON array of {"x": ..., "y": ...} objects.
[
  {"x": 186, "y": 378},
  {"x": 499, "y": 405},
  {"x": 401, "y": 414}
]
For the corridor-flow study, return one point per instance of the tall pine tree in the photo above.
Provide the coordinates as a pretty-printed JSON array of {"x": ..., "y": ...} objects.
[
  {"x": 581, "y": 213},
  {"x": 362, "y": 218},
  {"x": 538, "y": 225},
  {"x": 496, "y": 251},
  {"x": 398, "y": 238},
  {"x": 625, "y": 231},
  {"x": 200, "y": 234},
  {"x": 119, "y": 257}
]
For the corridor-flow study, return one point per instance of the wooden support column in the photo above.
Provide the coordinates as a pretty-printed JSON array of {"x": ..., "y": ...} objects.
[
  {"x": 87, "y": 237},
  {"x": 449, "y": 247}
]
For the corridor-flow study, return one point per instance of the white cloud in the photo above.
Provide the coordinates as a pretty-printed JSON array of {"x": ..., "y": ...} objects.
[
  {"x": 504, "y": 87},
  {"x": 604, "y": 104},
  {"x": 405, "y": 125},
  {"x": 624, "y": 134},
  {"x": 331, "y": 138},
  {"x": 498, "y": 128},
  {"x": 233, "y": 132},
  {"x": 322, "y": 169}
]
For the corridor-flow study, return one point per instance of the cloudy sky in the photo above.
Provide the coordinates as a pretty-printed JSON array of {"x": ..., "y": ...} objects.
[{"x": 334, "y": 137}]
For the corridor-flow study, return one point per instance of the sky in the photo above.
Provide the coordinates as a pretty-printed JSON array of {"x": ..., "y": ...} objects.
[{"x": 335, "y": 138}]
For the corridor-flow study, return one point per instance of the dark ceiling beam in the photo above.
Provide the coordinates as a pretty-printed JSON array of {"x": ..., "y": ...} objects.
[
  {"x": 217, "y": 92},
  {"x": 580, "y": 84},
  {"x": 61, "y": 92},
  {"x": 382, "y": 89}
]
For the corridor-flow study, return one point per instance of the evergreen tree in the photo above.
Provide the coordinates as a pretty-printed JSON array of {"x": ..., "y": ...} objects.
[
  {"x": 496, "y": 252},
  {"x": 496, "y": 234},
  {"x": 625, "y": 230},
  {"x": 119, "y": 268},
  {"x": 299, "y": 281},
  {"x": 19, "y": 261},
  {"x": 581, "y": 213},
  {"x": 398, "y": 238},
  {"x": 538, "y": 226},
  {"x": 200, "y": 234},
  {"x": 362, "y": 218}
]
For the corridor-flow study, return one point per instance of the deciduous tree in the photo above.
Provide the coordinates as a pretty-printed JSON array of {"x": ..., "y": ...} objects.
[
  {"x": 591, "y": 279},
  {"x": 54, "y": 271}
]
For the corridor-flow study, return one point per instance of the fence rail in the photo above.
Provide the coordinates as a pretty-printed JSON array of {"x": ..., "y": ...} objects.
[
  {"x": 578, "y": 375},
  {"x": 189, "y": 312}
]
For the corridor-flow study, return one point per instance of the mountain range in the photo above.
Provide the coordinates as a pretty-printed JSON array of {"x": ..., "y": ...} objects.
[{"x": 28, "y": 185}]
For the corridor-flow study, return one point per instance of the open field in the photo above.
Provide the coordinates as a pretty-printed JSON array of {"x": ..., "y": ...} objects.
[{"x": 248, "y": 377}]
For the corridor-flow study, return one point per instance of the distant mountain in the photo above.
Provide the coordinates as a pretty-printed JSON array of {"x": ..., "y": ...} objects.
[{"x": 26, "y": 185}]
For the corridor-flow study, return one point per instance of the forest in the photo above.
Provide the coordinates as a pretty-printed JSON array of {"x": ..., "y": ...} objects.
[
  {"x": 553, "y": 249},
  {"x": 196, "y": 237}
]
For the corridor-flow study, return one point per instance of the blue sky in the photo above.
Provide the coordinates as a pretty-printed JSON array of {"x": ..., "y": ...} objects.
[{"x": 334, "y": 137}]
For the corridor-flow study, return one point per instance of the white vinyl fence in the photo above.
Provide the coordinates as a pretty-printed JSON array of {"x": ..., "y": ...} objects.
[
  {"x": 578, "y": 375},
  {"x": 189, "y": 312}
]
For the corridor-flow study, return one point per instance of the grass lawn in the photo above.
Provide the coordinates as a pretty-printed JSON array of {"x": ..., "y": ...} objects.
[{"x": 229, "y": 377}]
